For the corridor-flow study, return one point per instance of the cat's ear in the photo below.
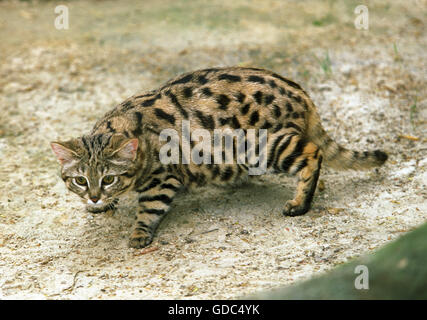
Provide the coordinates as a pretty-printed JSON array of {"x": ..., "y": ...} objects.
[
  {"x": 127, "y": 149},
  {"x": 63, "y": 152}
]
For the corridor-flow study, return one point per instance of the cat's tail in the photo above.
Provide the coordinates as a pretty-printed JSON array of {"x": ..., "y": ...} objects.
[{"x": 337, "y": 156}]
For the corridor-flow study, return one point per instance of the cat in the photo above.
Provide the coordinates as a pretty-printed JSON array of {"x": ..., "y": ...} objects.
[{"x": 122, "y": 153}]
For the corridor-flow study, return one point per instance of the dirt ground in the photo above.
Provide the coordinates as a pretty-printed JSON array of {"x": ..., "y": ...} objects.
[{"x": 369, "y": 86}]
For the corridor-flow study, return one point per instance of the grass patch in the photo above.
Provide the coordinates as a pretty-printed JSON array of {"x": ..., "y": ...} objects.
[
  {"x": 186, "y": 14},
  {"x": 412, "y": 112},
  {"x": 397, "y": 55},
  {"x": 324, "y": 21},
  {"x": 325, "y": 63}
]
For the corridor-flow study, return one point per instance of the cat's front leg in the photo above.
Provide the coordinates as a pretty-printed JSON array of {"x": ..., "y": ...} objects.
[{"x": 154, "y": 202}]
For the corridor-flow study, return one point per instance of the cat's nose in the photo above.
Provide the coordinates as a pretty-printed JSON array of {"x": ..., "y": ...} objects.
[{"x": 94, "y": 199}]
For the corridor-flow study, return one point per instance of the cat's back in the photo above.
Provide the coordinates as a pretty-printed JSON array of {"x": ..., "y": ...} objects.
[{"x": 213, "y": 98}]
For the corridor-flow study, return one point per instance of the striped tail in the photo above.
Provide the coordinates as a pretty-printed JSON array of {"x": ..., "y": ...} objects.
[{"x": 337, "y": 156}]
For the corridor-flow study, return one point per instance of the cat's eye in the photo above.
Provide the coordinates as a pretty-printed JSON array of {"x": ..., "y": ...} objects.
[
  {"x": 108, "y": 180},
  {"x": 81, "y": 181}
]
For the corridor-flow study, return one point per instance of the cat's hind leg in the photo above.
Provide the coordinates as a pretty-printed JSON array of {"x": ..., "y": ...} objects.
[{"x": 303, "y": 158}]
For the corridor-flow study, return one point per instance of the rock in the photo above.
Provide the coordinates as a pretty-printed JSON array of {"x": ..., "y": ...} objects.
[{"x": 397, "y": 271}]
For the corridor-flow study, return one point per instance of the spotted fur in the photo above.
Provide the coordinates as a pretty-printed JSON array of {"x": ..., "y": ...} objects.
[{"x": 125, "y": 142}]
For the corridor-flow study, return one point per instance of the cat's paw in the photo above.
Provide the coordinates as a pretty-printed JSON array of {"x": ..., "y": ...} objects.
[
  {"x": 292, "y": 208},
  {"x": 140, "y": 239}
]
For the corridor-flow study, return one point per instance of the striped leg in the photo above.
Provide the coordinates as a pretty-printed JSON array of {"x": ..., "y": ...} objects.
[
  {"x": 154, "y": 201},
  {"x": 305, "y": 160}
]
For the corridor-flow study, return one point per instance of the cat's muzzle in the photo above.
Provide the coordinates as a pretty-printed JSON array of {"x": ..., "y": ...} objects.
[{"x": 98, "y": 207}]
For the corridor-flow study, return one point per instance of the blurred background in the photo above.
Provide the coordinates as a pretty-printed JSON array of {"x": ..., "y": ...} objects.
[
  {"x": 120, "y": 47},
  {"x": 364, "y": 68}
]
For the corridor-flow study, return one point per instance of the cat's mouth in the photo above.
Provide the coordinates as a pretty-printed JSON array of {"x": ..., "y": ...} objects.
[{"x": 100, "y": 206}]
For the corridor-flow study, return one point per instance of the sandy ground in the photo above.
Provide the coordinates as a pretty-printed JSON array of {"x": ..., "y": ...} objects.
[{"x": 369, "y": 86}]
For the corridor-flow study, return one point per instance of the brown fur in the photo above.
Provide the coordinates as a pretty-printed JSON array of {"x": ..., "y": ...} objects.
[{"x": 234, "y": 98}]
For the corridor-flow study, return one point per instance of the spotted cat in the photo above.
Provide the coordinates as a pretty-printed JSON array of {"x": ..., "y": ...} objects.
[{"x": 122, "y": 153}]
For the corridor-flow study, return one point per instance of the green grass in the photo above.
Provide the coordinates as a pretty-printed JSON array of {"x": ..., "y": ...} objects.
[
  {"x": 325, "y": 63},
  {"x": 199, "y": 14},
  {"x": 397, "y": 55},
  {"x": 412, "y": 112},
  {"x": 324, "y": 21}
]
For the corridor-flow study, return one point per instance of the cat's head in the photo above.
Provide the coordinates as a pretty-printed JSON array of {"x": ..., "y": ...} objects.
[{"x": 98, "y": 167}]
